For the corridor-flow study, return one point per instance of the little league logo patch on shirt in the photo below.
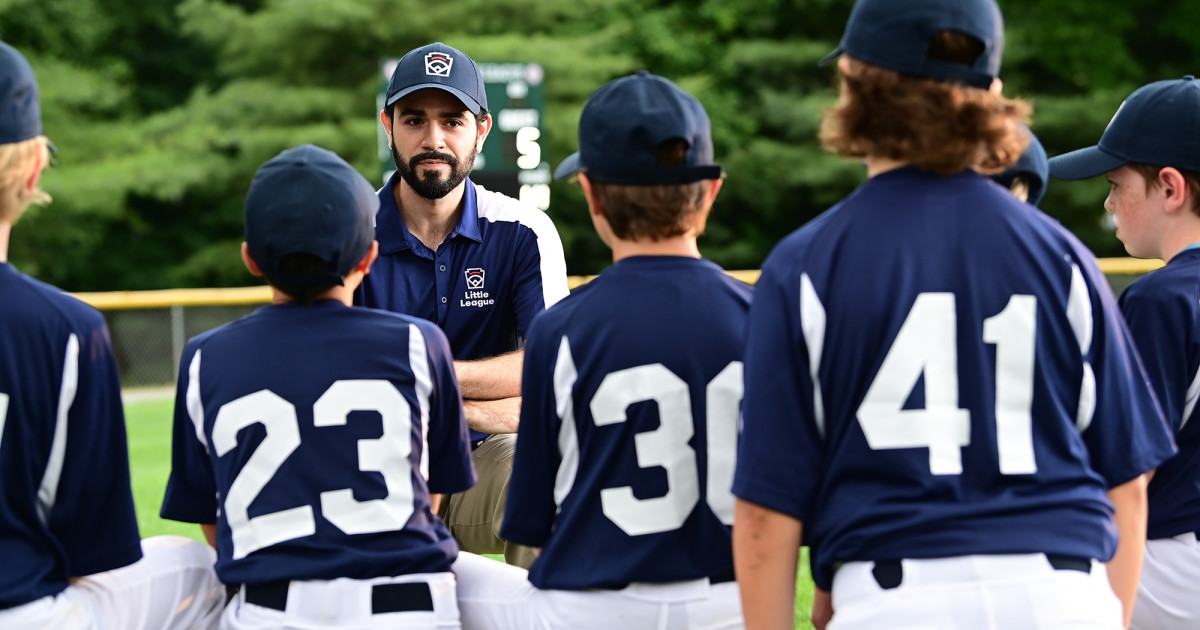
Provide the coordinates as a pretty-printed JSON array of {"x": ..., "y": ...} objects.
[
  {"x": 438, "y": 64},
  {"x": 475, "y": 295},
  {"x": 474, "y": 278}
]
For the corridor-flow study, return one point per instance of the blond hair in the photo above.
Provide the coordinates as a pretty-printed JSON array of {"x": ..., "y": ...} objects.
[{"x": 18, "y": 163}]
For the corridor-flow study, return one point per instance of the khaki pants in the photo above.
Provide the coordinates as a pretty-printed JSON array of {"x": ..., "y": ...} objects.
[{"x": 473, "y": 517}]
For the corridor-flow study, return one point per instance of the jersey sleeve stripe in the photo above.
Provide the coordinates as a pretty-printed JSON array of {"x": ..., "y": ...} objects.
[
  {"x": 550, "y": 251},
  {"x": 1079, "y": 313},
  {"x": 1193, "y": 392},
  {"x": 565, "y": 374},
  {"x": 195, "y": 406},
  {"x": 48, "y": 491},
  {"x": 812, "y": 314},
  {"x": 419, "y": 360}
]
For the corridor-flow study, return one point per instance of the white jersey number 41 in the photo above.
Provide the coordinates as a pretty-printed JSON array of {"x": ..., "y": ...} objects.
[{"x": 926, "y": 345}]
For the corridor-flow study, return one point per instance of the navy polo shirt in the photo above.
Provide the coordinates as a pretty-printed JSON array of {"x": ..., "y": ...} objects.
[{"x": 500, "y": 266}]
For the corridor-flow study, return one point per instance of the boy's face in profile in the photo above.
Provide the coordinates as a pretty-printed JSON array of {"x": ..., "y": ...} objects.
[{"x": 1137, "y": 210}]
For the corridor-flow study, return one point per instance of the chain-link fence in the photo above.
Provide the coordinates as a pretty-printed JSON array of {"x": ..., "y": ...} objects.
[{"x": 150, "y": 328}]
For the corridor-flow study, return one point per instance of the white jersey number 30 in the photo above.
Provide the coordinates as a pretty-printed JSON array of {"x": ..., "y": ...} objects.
[
  {"x": 387, "y": 455},
  {"x": 667, "y": 446},
  {"x": 926, "y": 344}
]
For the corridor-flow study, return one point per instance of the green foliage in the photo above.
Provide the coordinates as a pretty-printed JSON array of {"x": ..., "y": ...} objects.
[{"x": 164, "y": 110}]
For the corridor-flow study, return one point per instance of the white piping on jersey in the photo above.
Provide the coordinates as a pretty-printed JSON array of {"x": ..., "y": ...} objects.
[
  {"x": 195, "y": 406},
  {"x": 1189, "y": 403},
  {"x": 419, "y": 362},
  {"x": 1079, "y": 313},
  {"x": 495, "y": 207},
  {"x": 48, "y": 491},
  {"x": 565, "y": 374},
  {"x": 3, "y": 414},
  {"x": 812, "y": 314}
]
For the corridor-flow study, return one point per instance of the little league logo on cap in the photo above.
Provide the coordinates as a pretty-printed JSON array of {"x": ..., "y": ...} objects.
[
  {"x": 438, "y": 64},
  {"x": 1158, "y": 124},
  {"x": 441, "y": 67}
]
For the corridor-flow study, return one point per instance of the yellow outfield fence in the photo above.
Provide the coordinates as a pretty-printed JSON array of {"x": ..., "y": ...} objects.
[{"x": 150, "y": 328}]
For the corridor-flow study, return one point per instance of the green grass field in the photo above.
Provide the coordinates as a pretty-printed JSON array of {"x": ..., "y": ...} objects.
[{"x": 149, "y": 423}]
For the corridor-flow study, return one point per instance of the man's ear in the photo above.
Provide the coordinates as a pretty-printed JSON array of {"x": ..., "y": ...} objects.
[
  {"x": 387, "y": 124},
  {"x": 1176, "y": 194},
  {"x": 249, "y": 262},
  {"x": 485, "y": 127},
  {"x": 595, "y": 206}
]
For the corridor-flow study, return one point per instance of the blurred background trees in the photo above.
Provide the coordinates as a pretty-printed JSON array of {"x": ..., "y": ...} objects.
[{"x": 163, "y": 110}]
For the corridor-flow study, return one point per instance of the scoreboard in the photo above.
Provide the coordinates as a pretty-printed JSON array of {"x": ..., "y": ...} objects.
[{"x": 511, "y": 161}]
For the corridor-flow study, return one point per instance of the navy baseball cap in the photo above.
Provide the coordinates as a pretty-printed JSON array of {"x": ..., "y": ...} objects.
[
  {"x": 1158, "y": 124},
  {"x": 896, "y": 34},
  {"x": 20, "y": 111},
  {"x": 624, "y": 122},
  {"x": 439, "y": 66},
  {"x": 308, "y": 200},
  {"x": 1033, "y": 165}
]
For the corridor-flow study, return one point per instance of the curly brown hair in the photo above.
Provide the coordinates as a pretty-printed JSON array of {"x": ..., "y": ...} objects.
[{"x": 933, "y": 125}]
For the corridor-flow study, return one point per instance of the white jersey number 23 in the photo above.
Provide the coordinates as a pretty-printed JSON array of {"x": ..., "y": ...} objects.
[{"x": 387, "y": 455}]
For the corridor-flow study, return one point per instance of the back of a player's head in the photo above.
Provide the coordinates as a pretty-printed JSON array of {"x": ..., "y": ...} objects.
[
  {"x": 22, "y": 145},
  {"x": 646, "y": 148},
  {"x": 1028, "y": 177},
  {"x": 916, "y": 87},
  {"x": 309, "y": 220}
]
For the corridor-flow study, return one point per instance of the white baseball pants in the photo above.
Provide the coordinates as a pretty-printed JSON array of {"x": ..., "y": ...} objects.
[
  {"x": 1169, "y": 591},
  {"x": 496, "y": 596},
  {"x": 1000, "y": 592},
  {"x": 173, "y": 587}
]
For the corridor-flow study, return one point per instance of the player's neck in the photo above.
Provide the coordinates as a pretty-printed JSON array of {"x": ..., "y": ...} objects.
[
  {"x": 5, "y": 232},
  {"x": 1176, "y": 240},
  {"x": 430, "y": 220},
  {"x": 683, "y": 245},
  {"x": 880, "y": 165},
  {"x": 339, "y": 293}
]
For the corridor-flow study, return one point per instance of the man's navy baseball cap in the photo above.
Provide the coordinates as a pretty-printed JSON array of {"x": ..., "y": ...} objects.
[
  {"x": 1033, "y": 165},
  {"x": 439, "y": 66},
  {"x": 624, "y": 122},
  {"x": 308, "y": 200},
  {"x": 896, "y": 34},
  {"x": 1158, "y": 124},
  {"x": 20, "y": 111}
]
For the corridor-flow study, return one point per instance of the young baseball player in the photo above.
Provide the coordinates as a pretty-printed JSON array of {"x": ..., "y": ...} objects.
[
  {"x": 942, "y": 400},
  {"x": 1027, "y": 178},
  {"x": 69, "y": 543},
  {"x": 630, "y": 396},
  {"x": 311, "y": 439},
  {"x": 1149, "y": 153},
  {"x": 477, "y": 263}
]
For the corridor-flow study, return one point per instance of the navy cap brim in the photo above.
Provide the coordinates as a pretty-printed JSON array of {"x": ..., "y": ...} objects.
[
  {"x": 462, "y": 96},
  {"x": 1084, "y": 163},
  {"x": 837, "y": 52},
  {"x": 568, "y": 167}
]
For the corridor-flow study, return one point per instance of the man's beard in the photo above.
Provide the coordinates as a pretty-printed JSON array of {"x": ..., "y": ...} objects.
[{"x": 431, "y": 185}]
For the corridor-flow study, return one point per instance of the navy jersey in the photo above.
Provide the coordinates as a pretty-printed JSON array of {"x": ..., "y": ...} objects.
[
  {"x": 932, "y": 366},
  {"x": 1163, "y": 312},
  {"x": 500, "y": 266},
  {"x": 312, "y": 436},
  {"x": 66, "y": 508},
  {"x": 628, "y": 429}
]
